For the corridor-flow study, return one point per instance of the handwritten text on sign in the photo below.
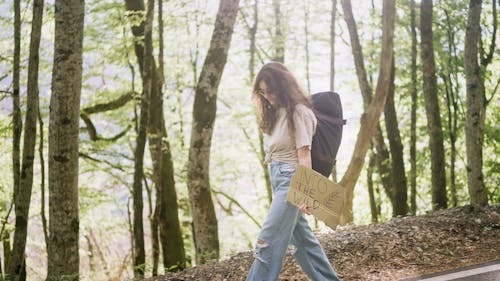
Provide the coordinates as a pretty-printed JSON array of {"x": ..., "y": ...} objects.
[{"x": 324, "y": 197}]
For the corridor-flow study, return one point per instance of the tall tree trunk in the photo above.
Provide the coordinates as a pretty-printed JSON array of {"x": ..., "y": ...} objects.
[
  {"x": 357, "y": 53},
  {"x": 333, "y": 23},
  {"x": 63, "y": 257},
  {"x": 17, "y": 123},
  {"x": 476, "y": 104},
  {"x": 204, "y": 110},
  {"x": 306, "y": 44},
  {"x": 438, "y": 176},
  {"x": 16, "y": 108},
  {"x": 452, "y": 108},
  {"x": 147, "y": 85},
  {"x": 332, "y": 64},
  {"x": 22, "y": 197},
  {"x": 252, "y": 30},
  {"x": 147, "y": 73},
  {"x": 371, "y": 115},
  {"x": 449, "y": 70},
  {"x": 382, "y": 155},
  {"x": 43, "y": 215},
  {"x": 414, "y": 106},
  {"x": 279, "y": 38},
  {"x": 400, "y": 206},
  {"x": 366, "y": 91},
  {"x": 172, "y": 244}
]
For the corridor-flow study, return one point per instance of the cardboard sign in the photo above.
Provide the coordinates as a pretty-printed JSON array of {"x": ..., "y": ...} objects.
[{"x": 324, "y": 197}]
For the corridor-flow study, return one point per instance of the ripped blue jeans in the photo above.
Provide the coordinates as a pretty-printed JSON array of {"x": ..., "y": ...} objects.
[{"x": 285, "y": 225}]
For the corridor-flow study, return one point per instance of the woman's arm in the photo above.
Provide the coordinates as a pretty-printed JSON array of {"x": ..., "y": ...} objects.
[{"x": 304, "y": 155}]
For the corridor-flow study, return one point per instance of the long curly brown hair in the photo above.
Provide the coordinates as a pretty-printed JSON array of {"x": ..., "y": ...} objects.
[{"x": 284, "y": 86}]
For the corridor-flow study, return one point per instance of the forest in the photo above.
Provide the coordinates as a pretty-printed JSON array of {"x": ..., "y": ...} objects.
[{"x": 130, "y": 143}]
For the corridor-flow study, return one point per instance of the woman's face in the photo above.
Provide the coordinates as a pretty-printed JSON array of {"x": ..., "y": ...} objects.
[{"x": 264, "y": 91}]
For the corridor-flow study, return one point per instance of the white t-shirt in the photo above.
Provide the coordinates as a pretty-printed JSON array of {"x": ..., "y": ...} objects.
[{"x": 279, "y": 145}]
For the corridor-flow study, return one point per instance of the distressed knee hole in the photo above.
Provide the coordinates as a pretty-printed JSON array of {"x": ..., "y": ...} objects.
[
  {"x": 261, "y": 242},
  {"x": 258, "y": 252}
]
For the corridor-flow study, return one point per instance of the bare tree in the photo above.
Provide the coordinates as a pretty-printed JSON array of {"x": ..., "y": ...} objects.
[
  {"x": 63, "y": 254},
  {"x": 204, "y": 219}
]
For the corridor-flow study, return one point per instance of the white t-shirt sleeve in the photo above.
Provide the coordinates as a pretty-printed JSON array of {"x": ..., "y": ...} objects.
[{"x": 305, "y": 125}]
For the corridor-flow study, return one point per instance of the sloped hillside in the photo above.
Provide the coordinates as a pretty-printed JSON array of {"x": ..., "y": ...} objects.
[{"x": 400, "y": 248}]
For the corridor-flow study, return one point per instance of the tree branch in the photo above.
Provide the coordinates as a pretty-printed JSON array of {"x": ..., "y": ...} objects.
[
  {"x": 237, "y": 204},
  {"x": 487, "y": 59},
  {"x": 112, "y": 165},
  {"x": 111, "y": 105}
]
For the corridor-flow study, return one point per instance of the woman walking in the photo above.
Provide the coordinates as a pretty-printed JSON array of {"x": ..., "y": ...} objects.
[{"x": 288, "y": 123}]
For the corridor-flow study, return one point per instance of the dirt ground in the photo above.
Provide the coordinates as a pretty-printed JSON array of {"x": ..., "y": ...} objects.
[{"x": 398, "y": 249}]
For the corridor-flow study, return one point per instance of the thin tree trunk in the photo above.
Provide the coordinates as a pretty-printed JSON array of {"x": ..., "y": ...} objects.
[
  {"x": 383, "y": 162},
  {"x": 251, "y": 70},
  {"x": 438, "y": 176},
  {"x": 91, "y": 256},
  {"x": 400, "y": 206},
  {"x": 43, "y": 215},
  {"x": 414, "y": 106},
  {"x": 138, "y": 205},
  {"x": 154, "y": 129},
  {"x": 204, "y": 110},
  {"x": 279, "y": 38},
  {"x": 6, "y": 247},
  {"x": 100, "y": 254},
  {"x": 332, "y": 65},
  {"x": 382, "y": 155},
  {"x": 23, "y": 195},
  {"x": 357, "y": 53},
  {"x": 476, "y": 104},
  {"x": 451, "y": 89},
  {"x": 371, "y": 115},
  {"x": 63, "y": 254},
  {"x": 17, "y": 124},
  {"x": 153, "y": 222},
  {"x": 451, "y": 106},
  {"x": 332, "y": 45},
  {"x": 140, "y": 254},
  {"x": 5, "y": 236},
  {"x": 156, "y": 144},
  {"x": 172, "y": 244},
  {"x": 306, "y": 44},
  {"x": 371, "y": 193}
]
